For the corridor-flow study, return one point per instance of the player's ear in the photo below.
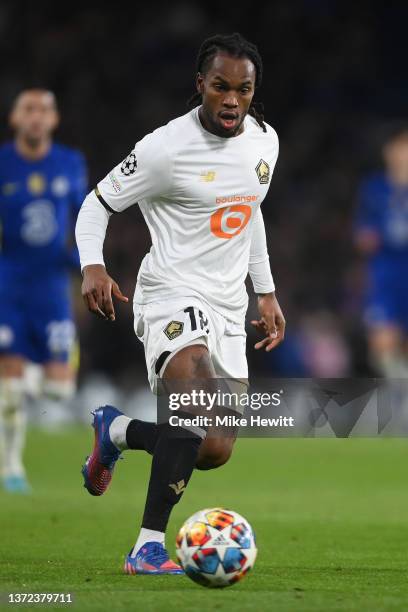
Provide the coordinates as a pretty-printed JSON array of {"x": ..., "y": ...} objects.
[
  {"x": 12, "y": 118},
  {"x": 200, "y": 83}
]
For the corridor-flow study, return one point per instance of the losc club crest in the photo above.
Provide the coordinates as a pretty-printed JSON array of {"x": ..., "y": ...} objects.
[
  {"x": 174, "y": 329},
  {"x": 263, "y": 172},
  {"x": 129, "y": 165}
]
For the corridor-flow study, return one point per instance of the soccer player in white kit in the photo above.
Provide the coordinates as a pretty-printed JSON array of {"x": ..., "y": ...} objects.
[{"x": 199, "y": 182}]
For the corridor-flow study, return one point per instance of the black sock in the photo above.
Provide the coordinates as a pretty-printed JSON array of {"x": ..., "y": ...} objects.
[
  {"x": 174, "y": 458},
  {"x": 141, "y": 435}
]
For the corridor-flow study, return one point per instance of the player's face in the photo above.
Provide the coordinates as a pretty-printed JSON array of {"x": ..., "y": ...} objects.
[
  {"x": 34, "y": 116},
  {"x": 227, "y": 89}
]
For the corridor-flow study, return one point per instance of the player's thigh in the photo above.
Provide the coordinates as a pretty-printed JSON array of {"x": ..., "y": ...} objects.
[
  {"x": 13, "y": 337},
  {"x": 53, "y": 338},
  {"x": 230, "y": 363},
  {"x": 167, "y": 329},
  {"x": 13, "y": 340},
  {"x": 191, "y": 367},
  {"x": 55, "y": 341},
  {"x": 190, "y": 363}
]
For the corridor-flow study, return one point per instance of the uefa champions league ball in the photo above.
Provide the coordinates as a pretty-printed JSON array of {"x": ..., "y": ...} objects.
[{"x": 216, "y": 547}]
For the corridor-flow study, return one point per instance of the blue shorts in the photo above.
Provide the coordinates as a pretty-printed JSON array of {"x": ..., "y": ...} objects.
[
  {"x": 36, "y": 321},
  {"x": 387, "y": 297}
]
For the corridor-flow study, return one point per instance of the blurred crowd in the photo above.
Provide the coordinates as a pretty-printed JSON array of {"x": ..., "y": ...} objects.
[{"x": 334, "y": 84}]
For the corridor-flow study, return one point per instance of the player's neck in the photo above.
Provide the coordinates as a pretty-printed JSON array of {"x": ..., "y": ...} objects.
[{"x": 32, "y": 150}]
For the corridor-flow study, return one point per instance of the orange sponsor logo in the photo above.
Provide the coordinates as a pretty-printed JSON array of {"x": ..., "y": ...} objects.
[{"x": 230, "y": 221}]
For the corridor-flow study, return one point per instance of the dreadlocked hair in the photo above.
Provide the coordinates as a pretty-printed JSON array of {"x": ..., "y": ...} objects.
[{"x": 236, "y": 46}]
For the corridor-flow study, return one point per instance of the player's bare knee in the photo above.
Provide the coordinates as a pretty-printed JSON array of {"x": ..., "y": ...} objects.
[
  {"x": 213, "y": 460},
  {"x": 11, "y": 366},
  {"x": 214, "y": 456}
]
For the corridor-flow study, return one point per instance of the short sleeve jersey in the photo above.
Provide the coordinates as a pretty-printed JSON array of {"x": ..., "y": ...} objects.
[{"x": 199, "y": 194}]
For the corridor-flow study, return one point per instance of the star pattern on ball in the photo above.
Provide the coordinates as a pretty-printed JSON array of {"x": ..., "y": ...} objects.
[{"x": 129, "y": 165}]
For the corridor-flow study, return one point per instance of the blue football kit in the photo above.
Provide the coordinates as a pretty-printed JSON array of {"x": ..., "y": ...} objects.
[
  {"x": 39, "y": 203},
  {"x": 383, "y": 208}
]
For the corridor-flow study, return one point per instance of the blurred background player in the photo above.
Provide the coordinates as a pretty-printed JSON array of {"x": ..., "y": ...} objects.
[
  {"x": 42, "y": 185},
  {"x": 381, "y": 235}
]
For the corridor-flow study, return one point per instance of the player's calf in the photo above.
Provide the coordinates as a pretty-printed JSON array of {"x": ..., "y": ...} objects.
[{"x": 173, "y": 462}]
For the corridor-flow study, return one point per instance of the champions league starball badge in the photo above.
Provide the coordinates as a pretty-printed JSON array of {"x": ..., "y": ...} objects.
[{"x": 129, "y": 165}]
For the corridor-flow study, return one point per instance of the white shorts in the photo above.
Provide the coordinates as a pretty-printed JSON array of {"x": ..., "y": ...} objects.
[{"x": 167, "y": 327}]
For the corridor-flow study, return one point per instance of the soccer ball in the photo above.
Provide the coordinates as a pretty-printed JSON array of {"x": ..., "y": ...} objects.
[{"x": 216, "y": 547}]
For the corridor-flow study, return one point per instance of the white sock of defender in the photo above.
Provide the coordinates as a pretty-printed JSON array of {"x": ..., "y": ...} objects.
[
  {"x": 147, "y": 535},
  {"x": 117, "y": 431},
  {"x": 14, "y": 420}
]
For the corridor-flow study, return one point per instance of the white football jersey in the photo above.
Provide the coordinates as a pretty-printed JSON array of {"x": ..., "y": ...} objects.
[{"x": 199, "y": 194}]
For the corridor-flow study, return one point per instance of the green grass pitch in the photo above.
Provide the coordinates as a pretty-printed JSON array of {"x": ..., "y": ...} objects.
[{"x": 330, "y": 517}]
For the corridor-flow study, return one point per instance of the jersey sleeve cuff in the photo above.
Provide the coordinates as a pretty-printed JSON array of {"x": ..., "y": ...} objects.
[
  {"x": 103, "y": 201},
  {"x": 92, "y": 262},
  {"x": 261, "y": 276},
  {"x": 263, "y": 289}
]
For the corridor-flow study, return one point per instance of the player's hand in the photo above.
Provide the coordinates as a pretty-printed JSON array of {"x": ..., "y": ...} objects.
[
  {"x": 97, "y": 290},
  {"x": 271, "y": 323}
]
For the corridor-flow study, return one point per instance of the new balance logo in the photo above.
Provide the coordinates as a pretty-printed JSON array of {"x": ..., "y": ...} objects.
[
  {"x": 207, "y": 177},
  {"x": 179, "y": 487},
  {"x": 220, "y": 541}
]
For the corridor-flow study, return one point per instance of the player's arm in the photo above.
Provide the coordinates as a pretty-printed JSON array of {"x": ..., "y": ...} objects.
[
  {"x": 144, "y": 174},
  {"x": 271, "y": 323},
  {"x": 97, "y": 286}
]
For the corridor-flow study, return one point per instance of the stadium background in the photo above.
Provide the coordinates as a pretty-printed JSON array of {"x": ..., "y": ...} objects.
[
  {"x": 334, "y": 83},
  {"x": 330, "y": 515}
]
